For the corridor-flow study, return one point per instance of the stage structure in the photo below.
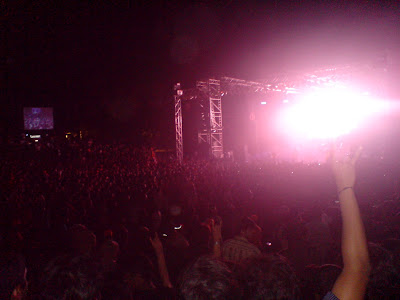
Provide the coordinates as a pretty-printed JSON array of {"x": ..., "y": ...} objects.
[{"x": 209, "y": 93}]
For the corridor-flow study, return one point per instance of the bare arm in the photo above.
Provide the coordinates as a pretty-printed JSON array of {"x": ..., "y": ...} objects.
[
  {"x": 352, "y": 282},
  {"x": 162, "y": 266},
  {"x": 217, "y": 238}
]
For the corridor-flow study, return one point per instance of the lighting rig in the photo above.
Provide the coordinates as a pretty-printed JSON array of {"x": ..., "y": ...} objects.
[{"x": 209, "y": 93}]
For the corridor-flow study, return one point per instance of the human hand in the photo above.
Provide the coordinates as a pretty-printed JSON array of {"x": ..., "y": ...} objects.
[
  {"x": 344, "y": 169},
  {"x": 156, "y": 243},
  {"x": 216, "y": 229}
]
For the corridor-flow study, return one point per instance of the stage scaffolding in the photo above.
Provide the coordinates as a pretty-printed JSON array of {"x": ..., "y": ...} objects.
[
  {"x": 178, "y": 128},
  {"x": 209, "y": 93}
]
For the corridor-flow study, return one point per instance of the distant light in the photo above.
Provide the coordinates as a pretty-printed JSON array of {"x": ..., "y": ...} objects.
[
  {"x": 35, "y": 136},
  {"x": 178, "y": 227},
  {"x": 263, "y": 102},
  {"x": 36, "y": 141},
  {"x": 286, "y": 101},
  {"x": 291, "y": 91}
]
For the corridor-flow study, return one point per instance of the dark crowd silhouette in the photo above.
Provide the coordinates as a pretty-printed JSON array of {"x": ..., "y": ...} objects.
[{"x": 80, "y": 220}]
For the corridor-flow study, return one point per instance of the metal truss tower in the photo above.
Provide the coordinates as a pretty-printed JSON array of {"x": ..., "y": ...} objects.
[
  {"x": 178, "y": 127},
  {"x": 210, "y": 132},
  {"x": 203, "y": 134},
  {"x": 214, "y": 94},
  {"x": 209, "y": 94}
]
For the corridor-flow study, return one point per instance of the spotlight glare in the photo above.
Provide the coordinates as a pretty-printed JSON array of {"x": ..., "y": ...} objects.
[
  {"x": 328, "y": 113},
  {"x": 263, "y": 102}
]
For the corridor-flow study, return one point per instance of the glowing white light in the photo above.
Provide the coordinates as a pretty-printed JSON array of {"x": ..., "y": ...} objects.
[
  {"x": 263, "y": 103},
  {"x": 286, "y": 101},
  {"x": 328, "y": 113}
]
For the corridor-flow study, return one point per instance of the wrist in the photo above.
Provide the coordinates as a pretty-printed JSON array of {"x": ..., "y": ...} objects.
[
  {"x": 217, "y": 238},
  {"x": 159, "y": 252},
  {"x": 217, "y": 242},
  {"x": 344, "y": 189}
]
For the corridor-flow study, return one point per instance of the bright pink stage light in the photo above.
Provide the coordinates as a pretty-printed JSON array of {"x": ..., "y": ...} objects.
[{"x": 328, "y": 113}]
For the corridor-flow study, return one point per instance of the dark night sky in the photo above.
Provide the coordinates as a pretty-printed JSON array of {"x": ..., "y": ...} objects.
[{"x": 111, "y": 65}]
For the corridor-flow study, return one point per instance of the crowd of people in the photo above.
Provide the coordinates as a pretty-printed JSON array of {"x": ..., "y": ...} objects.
[{"x": 81, "y": 220}]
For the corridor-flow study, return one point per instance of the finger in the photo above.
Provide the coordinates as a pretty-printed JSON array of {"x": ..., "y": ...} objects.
[
  {"x": 332, "y": 153},
  {"x": 356, "y": 155},
  {"x": 212, "y": 223}
]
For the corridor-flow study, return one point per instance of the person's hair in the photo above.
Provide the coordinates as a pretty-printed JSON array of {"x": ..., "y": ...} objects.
[
  {"x": 140, "y": 264},
  {"x": 326, "y": 277},
  {"x": 12, "y": 274},
  {"x": 68, "y": 278},
  {"x": 247, "y": 223},
  {"x": 133, "y": 279},
  {"x": 83, "y": 241},
  {"x": 207, "y": 278},
  {"x": 384, "y": 278},
  {"x": 268, "y": 277},
  {"x": 309, "y": 281}
]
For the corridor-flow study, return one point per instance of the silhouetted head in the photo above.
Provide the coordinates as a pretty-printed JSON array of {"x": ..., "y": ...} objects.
[
  {"x": 269, "y": 278},
  {"x": 69, "y": 277},
  {"x": 207, "y": 278}
]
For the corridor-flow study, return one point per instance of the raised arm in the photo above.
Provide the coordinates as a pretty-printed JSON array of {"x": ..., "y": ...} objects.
[
  {"x": 217, "y": 237},
  {"x": 162, "y": 266},
  {"x": 352, "y": 282}
]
